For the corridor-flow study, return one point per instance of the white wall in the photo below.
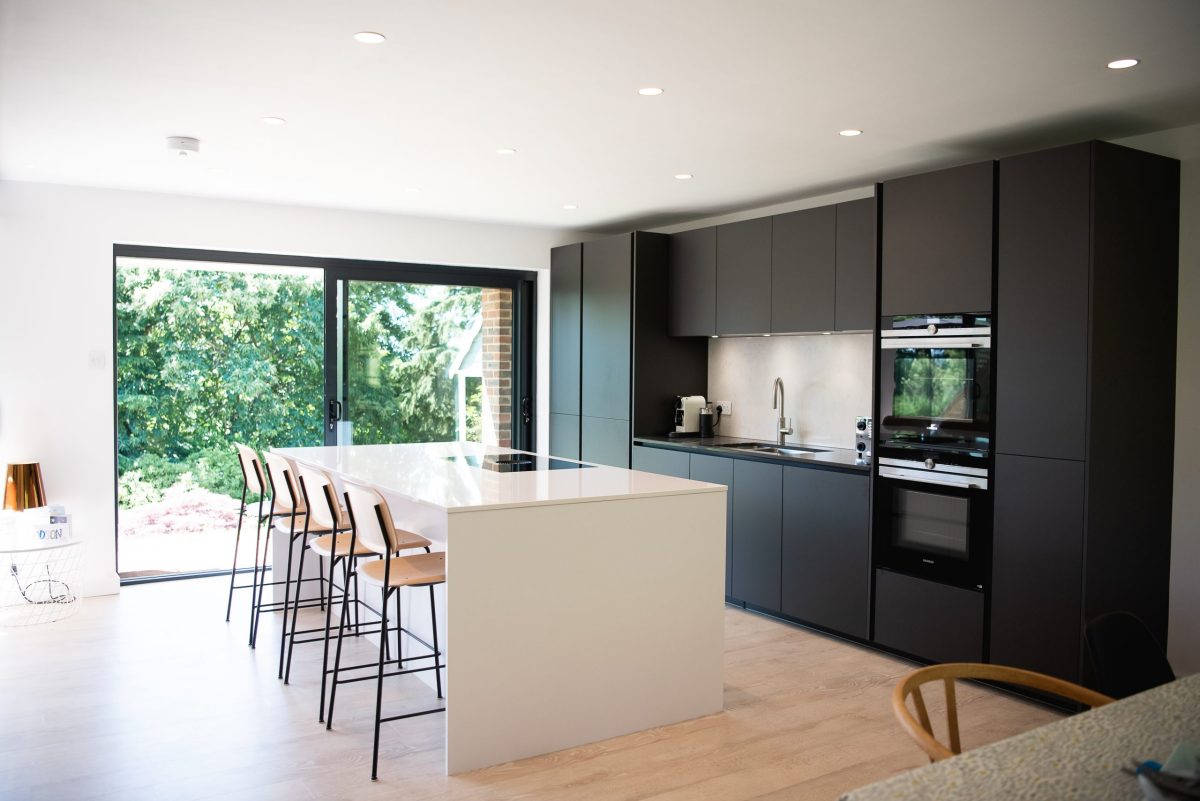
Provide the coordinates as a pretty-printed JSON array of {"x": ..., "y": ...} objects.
[
  {"x": 826, "y": 381},
  {"x": 1183, "y": 639},
  {"x": 56, "y": 311}
]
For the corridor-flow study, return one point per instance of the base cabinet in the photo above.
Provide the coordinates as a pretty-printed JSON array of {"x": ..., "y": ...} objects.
[
  {"x": 662, "y": 461},
  {"x": 564, "y": 435},
  {"x": 757, "y": 504},
  {"x": 926, "y": 619},
  {"x": 826, "y": 549},
  {"x": 719, "y": 470},
  {"x": 603, "y": 440}
]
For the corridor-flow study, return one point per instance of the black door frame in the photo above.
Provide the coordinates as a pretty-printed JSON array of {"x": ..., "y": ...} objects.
[{"x": 523, "y": 284}]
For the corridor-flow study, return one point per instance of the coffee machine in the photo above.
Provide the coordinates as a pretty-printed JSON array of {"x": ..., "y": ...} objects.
[{"x": 687, "y": 414}]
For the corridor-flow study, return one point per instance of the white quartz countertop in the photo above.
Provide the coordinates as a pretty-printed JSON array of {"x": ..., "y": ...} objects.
[{"x": 429, "y": 473}]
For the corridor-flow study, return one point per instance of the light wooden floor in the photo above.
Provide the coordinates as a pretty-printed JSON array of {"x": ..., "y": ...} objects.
[{"x": 151, "y": 695}]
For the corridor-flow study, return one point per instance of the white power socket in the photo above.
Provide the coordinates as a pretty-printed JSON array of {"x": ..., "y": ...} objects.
[{"x": 726, "y": 407}]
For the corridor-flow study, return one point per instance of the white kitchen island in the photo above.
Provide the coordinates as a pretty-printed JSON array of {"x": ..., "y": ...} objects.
[{"x": 580, "y": 602}]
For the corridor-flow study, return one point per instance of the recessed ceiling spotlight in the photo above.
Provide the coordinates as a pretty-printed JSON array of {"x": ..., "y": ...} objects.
[
  {"x": 369, "y": 37},
  {"x": 850, "y": 132},
  {"x": 273, "y": 121},
  {"x": 183, "y": 145},
  {"x": 650, "y": 91},
  {"x": 827, "y": 333},
  {"x": 766, "y": 335},
  {"x": 1122, "y": 63},
  {"x": 570, "y": 206},
  {"x": 683, "y": 176},
  {"x": 506, "y": 151}
]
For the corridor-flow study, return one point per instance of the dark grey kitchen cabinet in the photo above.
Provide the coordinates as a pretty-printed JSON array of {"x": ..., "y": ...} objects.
[
  {"x": 614, "y": 368},
  {"x": 803, "y": 270},
  {"x": 927, "y": 619},
  {"x": 826, "y": 561},
  {"x": 663, "y": 461},
  {"x": 564, "y": 435},
  {"x": 757, "y": 505},
  {"x": 1087, "y": 283},
  {"x": 937, "y": 242},
  {"x": 693, "y": 283},
  {"x": 744, "y": 277},
  {"x": 854, "y": 296},
  {"x": 1037, "y": 565},
  {"x": 719, "y": 470},
  {"x": 606, "y": 327}
]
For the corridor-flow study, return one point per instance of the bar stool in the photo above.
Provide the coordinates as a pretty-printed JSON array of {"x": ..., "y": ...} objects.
[
  {"x": 289, "y": 516},
  {"x": 372, "y": 525},
  {"x": 253, "y": 483},
  {"x": 320, "y": 498}
]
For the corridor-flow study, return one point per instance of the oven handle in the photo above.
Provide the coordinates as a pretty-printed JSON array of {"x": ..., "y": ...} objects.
[
  {"x": 929, "y": 477},
  {"x": 935, "y": 342}
]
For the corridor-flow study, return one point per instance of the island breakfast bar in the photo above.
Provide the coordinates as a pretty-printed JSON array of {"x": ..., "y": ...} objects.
[{"x": 581, "y": 602}]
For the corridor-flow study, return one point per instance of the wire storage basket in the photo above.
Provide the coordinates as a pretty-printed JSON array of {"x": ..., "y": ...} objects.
[{"x": 40, "y": 584}]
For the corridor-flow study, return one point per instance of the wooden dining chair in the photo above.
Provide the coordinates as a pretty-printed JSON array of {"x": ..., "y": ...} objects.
[{"x": 921, "y": 729}]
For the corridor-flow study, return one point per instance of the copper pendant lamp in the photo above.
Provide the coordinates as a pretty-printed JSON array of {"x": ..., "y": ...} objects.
[{"x": 23, "y": 488}]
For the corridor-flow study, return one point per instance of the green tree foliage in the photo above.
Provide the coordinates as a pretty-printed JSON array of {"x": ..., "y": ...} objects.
[{"x": 208, "y": 358}]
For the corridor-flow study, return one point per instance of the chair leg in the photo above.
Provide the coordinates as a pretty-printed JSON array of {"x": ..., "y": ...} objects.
[
  {"x": 337, "y": 658},
  {"x": 287, "y": 673},
  {"x": 287, "y": 593},
  {"x": 254, "y": 581},
  {"x": 261, "y": 584},
  {"x": 237, "y": 540},
  {"x": 437, "y": 652},
  {"x": 325, "y": 655},
  {"x": 379, "y": 686}
]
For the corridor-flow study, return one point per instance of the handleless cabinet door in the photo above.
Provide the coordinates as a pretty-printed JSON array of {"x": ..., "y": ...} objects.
[
  {"x": 1037, "y": 565},
  {"x": 564, "y": 435},
  {"x": 1042, "y": 304},
  {"x": 719, "y": 470},
  {"x": 693, "y": 283},
  {"x": 938, "y": 241},
  {"x": 664, "y": 461},
  {"x": 802, "y": 270},
  {"x": 606, "y": 328},
  {"x": 566, "y": 264},
  {"x": 855, "y": 293},
  {"x": 757, "y": 502},
  {"x": 604, "y": 441},
  {"x": 744, "y": 277},
  {"x": 826, "y": 556}
]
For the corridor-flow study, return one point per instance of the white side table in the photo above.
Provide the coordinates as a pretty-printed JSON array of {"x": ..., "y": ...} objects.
[{"x": 39, "y": 582}]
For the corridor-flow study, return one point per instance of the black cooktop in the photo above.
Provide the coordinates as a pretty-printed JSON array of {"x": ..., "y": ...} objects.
[{"x": 516, "y": 462}]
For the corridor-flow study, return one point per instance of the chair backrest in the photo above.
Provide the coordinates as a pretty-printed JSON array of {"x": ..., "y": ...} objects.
[
  {"x": 285, "y": 492},
  {"x": 252, "y": 472},
  {"x": 316, "y": 489},
  {"x": 921, "y": 729},
  {"x": 1125, "y": 655},
  {"x": 371, "y": 518}
]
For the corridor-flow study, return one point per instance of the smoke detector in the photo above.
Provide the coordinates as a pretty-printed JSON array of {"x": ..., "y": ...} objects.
[{"x": 183, "y": 145}]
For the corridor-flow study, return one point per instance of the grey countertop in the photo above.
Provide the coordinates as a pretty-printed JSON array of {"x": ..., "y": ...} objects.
[
  {"x": 1079, "y": 757},
  {"x": 841, "y": 458}
]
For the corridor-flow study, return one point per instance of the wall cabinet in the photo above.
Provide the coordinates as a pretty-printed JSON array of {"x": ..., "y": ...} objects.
[
  {"x": 803, "y": 271},
  {"x": 1087, "y": 298},
  {"x": 757, "y": 506},
  {"x": 719, "y": 470},
  {"x": 854, "y": 295},
  {"x": 826, "y": 549},
  {"x": 614, "y": 369},
  {"x": 937, "y": 242},
  {"x": 744, "y": 277},
  {"x": 693, "y": 283}
]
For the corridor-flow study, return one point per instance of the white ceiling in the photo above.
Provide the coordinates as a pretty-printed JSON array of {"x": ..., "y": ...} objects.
[{"x": 756, "y": 92}]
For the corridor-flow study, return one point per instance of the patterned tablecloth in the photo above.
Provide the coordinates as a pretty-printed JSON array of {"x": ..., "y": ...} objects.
[{"x": 1079, "y": 757}]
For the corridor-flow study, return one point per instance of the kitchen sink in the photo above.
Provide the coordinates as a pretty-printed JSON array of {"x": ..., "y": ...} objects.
[{"x": 778, "y": 450}]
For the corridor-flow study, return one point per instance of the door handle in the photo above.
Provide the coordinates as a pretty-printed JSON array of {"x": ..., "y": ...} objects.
[
  {"x": 335, "y": 413},
  {"x": 526, "y": 414}
]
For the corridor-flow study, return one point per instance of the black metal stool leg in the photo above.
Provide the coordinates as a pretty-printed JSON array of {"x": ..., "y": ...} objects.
[
  {"x": 287, "y": 591},
  {"x": 261, "y": 584},
  {"x": 254, "y": 581},
  {"x": 287, "y": 673},
  {"x": 325, "y": 657},
  {"x": 237, "y": 540},
  {"x": 337, "y": 658},
  {"x": 379, "y": 680},
  {"x": 437, "y": 652}
]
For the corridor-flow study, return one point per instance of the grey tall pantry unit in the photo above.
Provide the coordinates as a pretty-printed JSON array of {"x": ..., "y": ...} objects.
[
  {"x": 1086, "y": 302},
  {"x": 614, "y": 370}
]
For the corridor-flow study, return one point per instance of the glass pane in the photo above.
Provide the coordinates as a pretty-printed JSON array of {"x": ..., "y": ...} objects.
[
  {"x": 935, "y": 384},
  {"x": 207, "y": 355},
  {"x": 935, "y": 524},
  {"x": 426, "y": 363}
]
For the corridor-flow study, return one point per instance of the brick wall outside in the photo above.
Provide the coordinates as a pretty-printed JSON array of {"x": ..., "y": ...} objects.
[{"x": 497, "y": 366}]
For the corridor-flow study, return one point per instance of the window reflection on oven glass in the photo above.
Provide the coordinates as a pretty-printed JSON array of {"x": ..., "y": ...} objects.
[{"x": 931, "y": 523}]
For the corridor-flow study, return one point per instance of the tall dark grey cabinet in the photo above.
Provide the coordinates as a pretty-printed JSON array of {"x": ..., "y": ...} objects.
[
  {"x": 615, "y": 371},
  {"x": 1085, "y": 362}
]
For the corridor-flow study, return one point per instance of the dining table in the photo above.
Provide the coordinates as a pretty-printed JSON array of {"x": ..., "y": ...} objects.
[{"x": 1078, "y": 757}]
